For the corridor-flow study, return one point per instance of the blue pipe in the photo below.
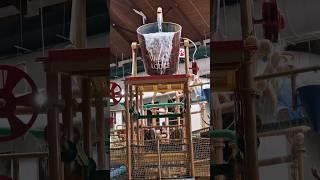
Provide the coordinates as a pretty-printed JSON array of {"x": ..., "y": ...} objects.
[
  {"x": 310, "y": 99},
  {"x": 118, "y": 171}
]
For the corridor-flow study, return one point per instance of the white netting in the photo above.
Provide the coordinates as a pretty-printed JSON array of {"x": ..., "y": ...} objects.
[
  {"x": 201, "y": 151},
  {"x": 170, "y": 157},
  {"x": 159, "y": 47}
]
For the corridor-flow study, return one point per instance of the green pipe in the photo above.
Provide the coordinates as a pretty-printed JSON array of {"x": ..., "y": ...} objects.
[
  {"x": 223, "y": 169},
  {"x": 224, "y": 133},
  {"x": 162, "y": 105},
  {"x": 35, "y": 132}
]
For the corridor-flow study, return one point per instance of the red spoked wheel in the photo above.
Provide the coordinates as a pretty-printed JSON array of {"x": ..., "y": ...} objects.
[
  {"x": 9, "y": 78},
  {"x": 115, "y": 93}
]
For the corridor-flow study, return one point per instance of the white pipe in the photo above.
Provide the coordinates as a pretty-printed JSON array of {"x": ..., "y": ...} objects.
[{"x": 78, "y": 32}]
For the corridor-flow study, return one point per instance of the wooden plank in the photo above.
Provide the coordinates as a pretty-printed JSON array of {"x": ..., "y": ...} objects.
[
  {"x": 31, "y": 155},
  {"x": 161, "y": 88},
  {"x": 79, "y": 60},
  {"x": 157, "y": 79},
  {"x": 302, "y": 129}
]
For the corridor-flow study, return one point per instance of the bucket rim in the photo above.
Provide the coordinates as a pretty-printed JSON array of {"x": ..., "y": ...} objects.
[{"x": 180, "y": 27}]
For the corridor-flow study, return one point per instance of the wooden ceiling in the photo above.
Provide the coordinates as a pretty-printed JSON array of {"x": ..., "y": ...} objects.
[{"x": 192, "y": 15}]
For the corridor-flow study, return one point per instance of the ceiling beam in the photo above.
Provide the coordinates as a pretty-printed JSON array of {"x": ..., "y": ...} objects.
[
  {"x": 200, "y": 14},
  {"x": 150, "y": 6},
  {"x": 186, "y": 19},
  {"x": 125, "y": 29},
  {"x": 4, "y": 3},
  {"x": 167, "y": 11}
]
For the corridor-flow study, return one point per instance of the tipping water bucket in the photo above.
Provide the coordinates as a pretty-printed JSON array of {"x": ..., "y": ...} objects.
[
  {"x": 310, "y": 99},
  {"x": 160, "y": 50}
]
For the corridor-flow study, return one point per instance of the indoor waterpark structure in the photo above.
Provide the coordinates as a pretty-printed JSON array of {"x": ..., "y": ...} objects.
[{"x": 159, "y": 89}]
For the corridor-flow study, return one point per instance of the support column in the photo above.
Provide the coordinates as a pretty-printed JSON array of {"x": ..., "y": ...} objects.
[
  {"x": 134, "y": 47},
  {"x": 300, "y": 150},
  {"x": 131, "y": 122},
  {"x": 67, "y": 116},
  {"x": 167, "y": 123},
  {"x": 128, "y": 132},
  {"x": 188, "y": 124},
  {"x": 138, "y": 122},
  {"x": 177, "y": 110},
  {"x": 203, "y": 114},
  {"x": 15, "y": 169},
  {"x": 217, "y": 143},
  {"x": 53, "y": 128},
  {"x": 78, "y": 30},
  {"x": 86, "y": 116},
  {"x": 186, "y": 49},
  {"x": 250, "y": 131},
  {"x": 101, "y": 129}
]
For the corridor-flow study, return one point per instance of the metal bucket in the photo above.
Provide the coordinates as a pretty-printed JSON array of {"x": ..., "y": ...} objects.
[
  {"x": 149, "y": 62},
  {"x": 310, "y": 99}
]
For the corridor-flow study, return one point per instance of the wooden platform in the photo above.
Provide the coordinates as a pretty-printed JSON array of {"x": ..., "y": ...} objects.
[
  {"x": 158, "y": 79},
  {"x": 88, "y": 62}
]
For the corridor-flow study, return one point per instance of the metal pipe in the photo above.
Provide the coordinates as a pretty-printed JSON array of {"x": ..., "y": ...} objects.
[
  {"x": 287, "y": 131},
  {"x": 276, "y": 160},
  {"x": 286, "y": 73}
]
